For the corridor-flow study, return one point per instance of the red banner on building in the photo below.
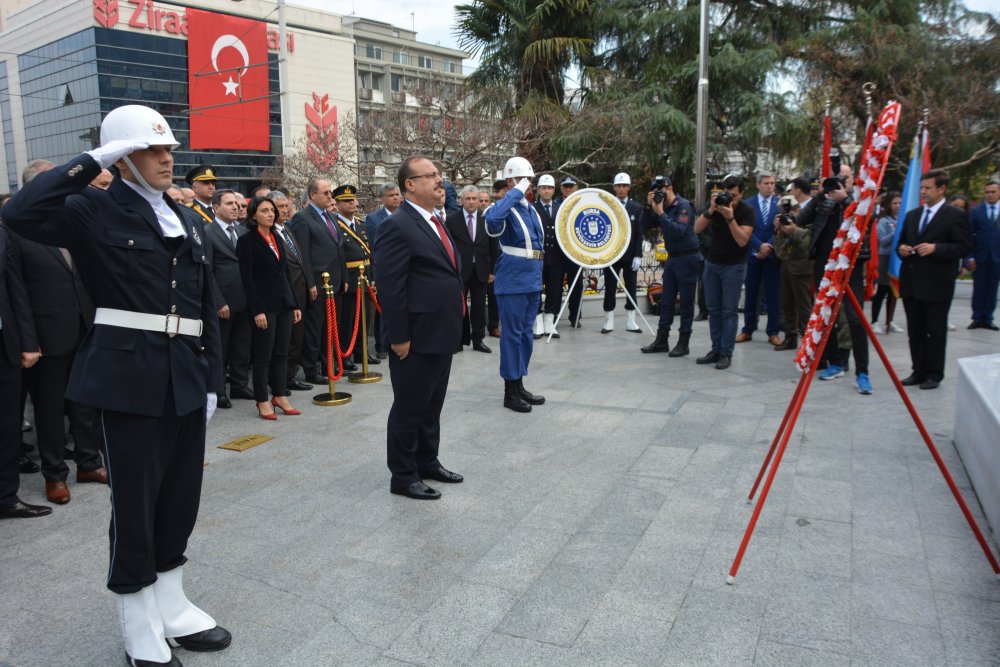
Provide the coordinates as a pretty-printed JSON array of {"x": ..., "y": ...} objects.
[{"x": 227, "y": 82}]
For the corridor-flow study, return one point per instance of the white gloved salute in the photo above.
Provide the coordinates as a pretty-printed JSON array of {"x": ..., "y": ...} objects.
[
  {"x": 636, "y": 263},
  {"x": 210, "y": 405},
  {"x": 113, "y": 151},
  {"x": 523, "y": 185}
]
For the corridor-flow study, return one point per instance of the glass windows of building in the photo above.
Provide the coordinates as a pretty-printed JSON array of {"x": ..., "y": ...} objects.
[
  {"x": 397, "y": 82},
  {"x": 401, "y": 57},
  {"x": 373, "y": 51},
  {"x": 425, "y": 61},
  {"x": 450, "y": 67}
]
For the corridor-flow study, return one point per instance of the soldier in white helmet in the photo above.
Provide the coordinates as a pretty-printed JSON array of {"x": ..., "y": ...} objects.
[
  {"x": 147, "y": 366},
  {"x": 628, "y": 265},
  {"x": 518, "y": 282}
]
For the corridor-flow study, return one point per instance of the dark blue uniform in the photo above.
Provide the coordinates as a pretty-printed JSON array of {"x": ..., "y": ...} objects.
[
  {"x": 680, "y": 271},
  {"x": 149, "y": 388}
]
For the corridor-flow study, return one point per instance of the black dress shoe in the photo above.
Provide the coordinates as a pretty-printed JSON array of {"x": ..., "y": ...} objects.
[
  {"x": 22, "y": 510},
  {"x": 381, "y": 354},
  {"x": 989, "y": 325},
  {"x": 373, "y": 361},
  {"x": 443, "y": 475},
  {"x": 299, "y": 385},
  {"x": 416, "y": 490},
  {"x": 724, "y": 362},
  {"x": 974, "y": 325},
  {"x": 224, "y": 402},
  {"x": 701, "y": 316},
  {"x": 480, "y": 346},
  {"x": 26, "y": 466},
  {"x": 241, "y": 392},
  {"x": 174, "y": 662},
  {"x": 317, "y": 379},
  {"x": 912, "y": 381},
  {"x": 349, "y": 365},
  {"x": 930, "y": 384},
  {"x": 213, "y": 639},
  {"x": 710, "y": 358}
]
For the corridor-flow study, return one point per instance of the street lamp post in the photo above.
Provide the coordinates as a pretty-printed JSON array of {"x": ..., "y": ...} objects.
[{"x": 701, "y": 149}]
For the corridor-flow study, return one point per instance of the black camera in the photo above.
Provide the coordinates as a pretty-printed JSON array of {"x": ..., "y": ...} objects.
[
  {"x": 786, "y": 205},
  {"x": 659, "y": 196},
  {"x": 832, "y": 183},
  {"x": 724, "y": 199}
]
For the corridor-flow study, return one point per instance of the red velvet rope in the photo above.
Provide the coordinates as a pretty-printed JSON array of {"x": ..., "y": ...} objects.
[{"x": 371, "y": 293}]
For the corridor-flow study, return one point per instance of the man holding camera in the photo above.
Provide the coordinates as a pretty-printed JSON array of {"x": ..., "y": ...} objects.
[
  {"x": 763, "y": 266},
  {"x": 732, "y": 221},
  {"x": 791, "y": 244},
  {"x": 674, "y": 217}
]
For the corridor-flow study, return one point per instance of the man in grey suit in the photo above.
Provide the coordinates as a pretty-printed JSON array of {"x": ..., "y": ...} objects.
[
  {"x": 320, "y": 242},
  {"x": 230, "y": 299}
]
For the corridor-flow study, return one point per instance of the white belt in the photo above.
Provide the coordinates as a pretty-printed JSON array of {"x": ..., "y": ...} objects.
[
  {"x": 168, "y": 324},
  {"x": 522, "y": 252}
]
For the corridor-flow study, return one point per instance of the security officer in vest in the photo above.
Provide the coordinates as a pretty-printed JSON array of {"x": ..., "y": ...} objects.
[
  {"x": 202, "y": 181},
  {"x": 357, "y": 253},
  {"x": 148, "y": 365},
  {"x": 518, "y": 281},
  {"x": 674, "y": 217}
]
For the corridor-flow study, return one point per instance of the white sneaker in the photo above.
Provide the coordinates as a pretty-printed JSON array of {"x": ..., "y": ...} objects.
[
  {"x": 951, "y": 327},
  {"x": 893, "y": 327},
  {"x": 877, "y": 328}
]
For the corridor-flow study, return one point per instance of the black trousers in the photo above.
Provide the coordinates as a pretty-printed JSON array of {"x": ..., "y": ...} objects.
[
  {"x": 492, "y": 310},
  {"x": 314, "y": 348},
  {"x": 270, "y": 355},
  {"x": 413, "y": 430},
  {"x": 155, "y": 470},
  {"x": 10, "y": 428},
  {"x": 46, "y": 382},
  {"x": 927, "y": 328},
  {"x": 235, "y": 331},
  {"x": 611, "y": 284},
  {"x": 474, "y": 327},
  {"x": 552, "y": 286}
]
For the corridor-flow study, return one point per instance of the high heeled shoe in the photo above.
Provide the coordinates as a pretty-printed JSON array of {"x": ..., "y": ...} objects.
[
  {"x": 271, "y": 417},
  {"x": 291, "y": 411}
]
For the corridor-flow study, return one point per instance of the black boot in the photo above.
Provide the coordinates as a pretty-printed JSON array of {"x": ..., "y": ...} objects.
[
  {"x": 661, "y": 344},
  {"x": 512, "y": 397},
  {"x": 681, "y": 349},
  {"x": 529, "y": 398},
  {"x": 791, "y": 342}
]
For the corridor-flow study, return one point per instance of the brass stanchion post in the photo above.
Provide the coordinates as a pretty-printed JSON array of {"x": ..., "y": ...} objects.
[
  {"x": 334, "y": 397},
  {"x": 364, "y": 377}
]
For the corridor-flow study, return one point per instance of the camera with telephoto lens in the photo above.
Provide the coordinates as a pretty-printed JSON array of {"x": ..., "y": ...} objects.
[{"x": 724, "y": 199}]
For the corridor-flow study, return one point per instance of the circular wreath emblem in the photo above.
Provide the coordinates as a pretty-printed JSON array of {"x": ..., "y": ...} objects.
[{"x": 592, "y": 228}]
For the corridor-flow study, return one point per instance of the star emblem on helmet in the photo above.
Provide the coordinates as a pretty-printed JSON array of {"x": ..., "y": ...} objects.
[{"x": 159, "y": 128}]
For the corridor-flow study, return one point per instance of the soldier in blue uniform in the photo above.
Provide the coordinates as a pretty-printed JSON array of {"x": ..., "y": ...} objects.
[
  {"x": 147, "y": 366},
  {"x": 674, "y": 217},
  {"x": 518, "y": 281}
]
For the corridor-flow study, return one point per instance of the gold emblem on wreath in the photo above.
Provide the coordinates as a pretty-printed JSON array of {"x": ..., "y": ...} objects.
[{"x": 592, "y": 228}]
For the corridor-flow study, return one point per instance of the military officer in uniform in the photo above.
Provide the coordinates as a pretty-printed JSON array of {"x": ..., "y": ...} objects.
[
  {"x": 148, "y": 366},
  {"x": 629, "y": 263},
  {"x": 555, "y": 261},
  {"x": 202, "y": 181},
  {"x": 518, "y": 281},
  {"x": 357, "y": 253}
]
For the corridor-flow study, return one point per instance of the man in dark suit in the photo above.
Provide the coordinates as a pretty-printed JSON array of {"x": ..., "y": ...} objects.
[
  {"x": 357, "y": 253},
  {"x": 149, "y": 366},
  {"x": 320, "y": 239},
  {"x": 230, "y": 299},
  {"x": 62, "y": 314},
  {"x": 18, "y": 348},
  {"x": 763, "y": 266},
  {"x": 420, "y": 286},
  {"x": 477, "y": 251},
  {"x": 202, "y": 181},
  {"x": 935, "y": 237},
  {"x": 303, "y": 285},
  {"x": 391, "y": 199},
  {"x": 629, "y": 263},
  {"x": 985, "y": 262}
]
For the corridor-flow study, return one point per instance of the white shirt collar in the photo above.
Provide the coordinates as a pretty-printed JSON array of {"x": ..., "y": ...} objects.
[
  {"x": 934, "y": 209},
  {"x": 170, "y": 224}
]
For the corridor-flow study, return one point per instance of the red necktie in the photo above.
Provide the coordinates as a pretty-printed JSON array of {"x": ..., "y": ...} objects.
[
  {"x": 451, "y": 252},
  {"x": 331, "y": 226}
]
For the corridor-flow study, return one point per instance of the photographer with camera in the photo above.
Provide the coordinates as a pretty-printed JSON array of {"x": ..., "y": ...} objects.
[
  {"x": 823, "y": 216},
  {"x": 674, "y": 217},
  {"x": 791, "y": 244},
  {"x": 732, "y": 222}
]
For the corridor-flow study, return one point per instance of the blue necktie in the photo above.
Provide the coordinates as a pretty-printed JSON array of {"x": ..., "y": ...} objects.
[{"x": 923, "y": 223}]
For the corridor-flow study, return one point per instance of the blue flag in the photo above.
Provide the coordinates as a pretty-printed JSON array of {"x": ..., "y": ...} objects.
[{"x": 910, "y": 201}]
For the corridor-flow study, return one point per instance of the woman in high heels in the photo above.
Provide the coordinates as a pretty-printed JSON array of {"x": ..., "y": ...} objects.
[{"x": 271, "y": 303}]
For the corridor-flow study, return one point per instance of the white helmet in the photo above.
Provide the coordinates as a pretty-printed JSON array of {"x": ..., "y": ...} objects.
[
  {"x": 546, "y": 179},
  {"x": 518, "y": 167},
  {"x": 622, "y": 179},
  {"x": 135, "y": 122}
]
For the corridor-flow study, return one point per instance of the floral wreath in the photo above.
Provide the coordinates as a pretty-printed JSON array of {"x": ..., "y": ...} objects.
[{"x": 875, "y": 156}]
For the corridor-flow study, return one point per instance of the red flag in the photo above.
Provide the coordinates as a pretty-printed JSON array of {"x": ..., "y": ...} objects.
[
  {"x": 227, "y": 82},
  {"x": 826, "y": 168}
]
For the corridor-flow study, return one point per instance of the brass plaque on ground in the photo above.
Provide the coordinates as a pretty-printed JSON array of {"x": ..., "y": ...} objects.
[{"x": 245, "y": 442}]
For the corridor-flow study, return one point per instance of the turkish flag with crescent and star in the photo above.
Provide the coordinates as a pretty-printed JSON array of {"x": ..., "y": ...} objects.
[{"x": 227, "y": 82}]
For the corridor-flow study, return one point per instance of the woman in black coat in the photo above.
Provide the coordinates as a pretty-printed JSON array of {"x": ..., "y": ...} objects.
[{"x": 271, "y": 304}]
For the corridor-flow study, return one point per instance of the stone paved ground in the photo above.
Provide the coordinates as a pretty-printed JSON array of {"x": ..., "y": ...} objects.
[{"x": 595, "y": 531}]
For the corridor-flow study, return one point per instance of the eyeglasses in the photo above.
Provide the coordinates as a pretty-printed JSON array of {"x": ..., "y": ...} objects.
[
  {"x": 433, "y": 174},
  {"x": 328, "y": 193}
]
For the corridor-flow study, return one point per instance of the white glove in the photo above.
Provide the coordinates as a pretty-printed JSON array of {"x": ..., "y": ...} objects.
[
  {"x": 210, "y": 405},
  {"x": 113, "y": 151},
  {"x": 636, "y": 263},
  {"x": 523, "y": 185}
]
